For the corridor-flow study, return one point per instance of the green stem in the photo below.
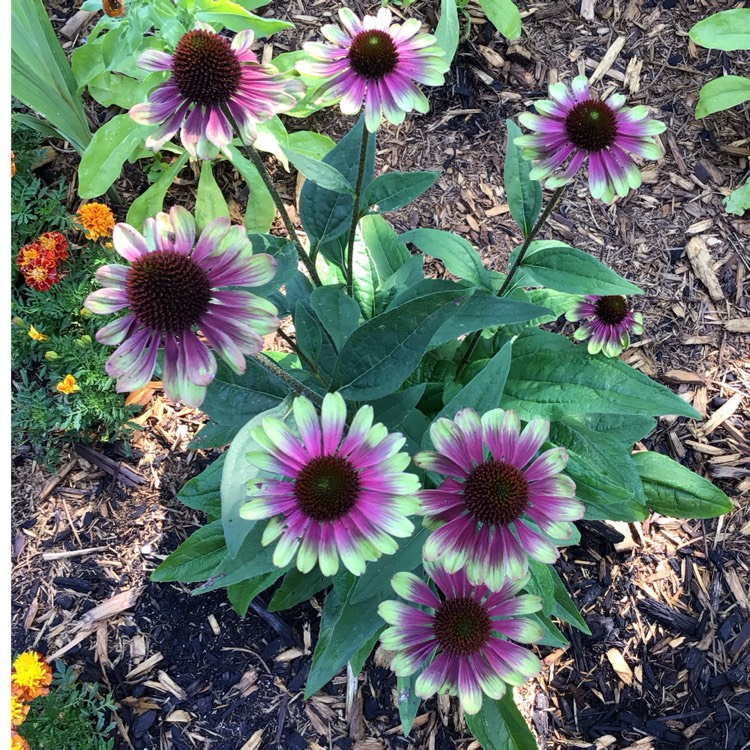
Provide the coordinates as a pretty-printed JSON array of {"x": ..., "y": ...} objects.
[
  {"x": 355, "y": 212},
  {"x": 474, "y": 341},
  {"x": 299, "y": 388},
  {"x": 259, "y": 164}
]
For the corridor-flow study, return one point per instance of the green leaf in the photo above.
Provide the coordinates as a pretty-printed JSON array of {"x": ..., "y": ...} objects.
[
  {"x": 728, "y": 30},
  {"x": 235, "y": 17},
  {"x": 297, "y": 587},
  {"x": 408, "y": 702},
  {"x": 484, "y": 391},
  {"x": 232, "y": 399},
  {"x": 114, "y": 89},
  {"x": 394, "y": 190},
  {"x": 499, "y": 725},
  {"x": 209, "y": 203},
  {"x": 235, "y": 476},
  {"x": 377, "y": 576},
  {"x": 241, "y": 594},
  {"x": 213, "y": 435},
  {"x": 365, "y": 278},
  {"x": 623, "y": 429},
  {"x": 315, "y": 145},
  {"x": 565, "y": 608},
  {"x": 110, "y": 147},
  {"x": 195, "y": 559},
  {"x": 203, "y": 492},
  {"x": 566, "y": 269},
  {"x": 149, "y": 203},
  {"x": 357, "y": 662},
  {"x": 504, "y": 15},
  {"x": 393, "y": 408},
  {"x": 384, "y": 246},
  {"x": 722, "y": 93},
  {"x": 337, "y": 311},
  {"x": 447, "y": 30},
  {"x": 309, "y": 332},
  {"x": 379, "y": 356},
  {"x": 319, "y": 172},
  {"x": 542, "y": 584},
  {"x": 524, "y": 194},
  {"x": 553, "y": 636},
  {"x": 261, "y": 210},
  {"x": 738, "y": 201},
  {"x": 552, "y": 378},
  {"x": 673, "y": 490},
  {"x": 458, "y": 254},
  {"x": 327, "y": 214},
  {"x": 344, "y": 630}
]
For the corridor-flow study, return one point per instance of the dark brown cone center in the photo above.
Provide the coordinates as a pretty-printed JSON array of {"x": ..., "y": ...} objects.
[
  {"x": 496, "y": 493},
  {"x": 462, "y": 626},
  {"x": 612, "y": 310},
  {"x": 327, "y": 488},
  {"x": 205, "y": 68},
  {"x": 591, "y": 125},
  {"x": 168, "y": 292},
  {"x": 373, "y": 54}
]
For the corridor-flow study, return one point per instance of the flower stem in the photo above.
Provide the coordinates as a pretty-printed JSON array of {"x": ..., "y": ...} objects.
[
  {"x": 474, "y": 341},
  {"x": 259, "y": 164},
  {"x": 298, "y": 387},
  {"x": 355, "y": 212}
]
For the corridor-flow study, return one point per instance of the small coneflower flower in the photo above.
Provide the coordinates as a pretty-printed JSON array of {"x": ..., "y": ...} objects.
[
  {"x": 97, "y": 220},
  {"x": 34, "y": 334},
  {"x": 376, "y": 62},
  {"x": 174, "y": 286},
  {"x": 607, "y": 323},
  {"x": 68, "y": 385},
  {"x": 42, "y": 276},
  {"x": 573, "y": 125},
  {"x": 18, "y": 711},
  {"x": 500, "y": 502},
  {"x": 55, "y": 244},
  {"x": 31, "y": 676},
  {"x": 17, "y": 742},
  {"x": 113, "y": 8},
  {"x": 469, "y": 629},
  {"x": 210, "y": 81},
  {"x": 336, "y": 495}
]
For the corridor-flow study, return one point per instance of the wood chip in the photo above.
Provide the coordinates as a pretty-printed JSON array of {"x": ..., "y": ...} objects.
[
  {"x": 182, "y": 717},
  {"x": 76, "y": 23},
  {"x": 254, "y": 742},
  {"x": 738, "y": 325},
  {"x": 113, "y": 606},
  {"x": 624, "y": 672},
  {"x": 702, "y": 264},
  {"x": 145, "y": 667},
  {"x": 721, "y": 414},
  {"x": 682, "y": 376},
  {"x": 609, "y": 58}
]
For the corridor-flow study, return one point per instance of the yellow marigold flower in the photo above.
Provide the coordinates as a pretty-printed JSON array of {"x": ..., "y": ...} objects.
[
  {"x": 17, "y": 742},
  {"x": 31, "y": 675},
  {"x": 96, "y": 219},
  {"x": 12, "y": 164},
  {"x": 34, "y": 334},
  {"x": 68, "y": 385},
  {"x": 18, "y": 711}
]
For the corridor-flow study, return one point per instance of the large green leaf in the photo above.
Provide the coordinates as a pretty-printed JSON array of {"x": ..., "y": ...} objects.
[
  {"x": 379, "y": 356},
  {"x": 210, "y": 203},
  {"x": 524, "y": 194},
  {"x": 241, "y": 594},
  {"x": 565, "y": 608},
  {"x": 297, "y": 587},
  {"x": 504, "y": 15},
  {"x": 722, "y": 93},
  {"x": 337, "y": 311},
  {"x": 261, "y": 210},
  {"x": 499, "y": 725},
  {"x": 365, "y": 278},
  {"x": 673, "y": 490},
  {"x": 394, "y": 190},
  {"x": 447, "y": 30},
  {"x": 344, "y": 630},
  {"x": 235, "y": 476},
  {"x": 196, "y": 558},
  {"x": 408, "y": 702},
  {"x": 203, "y": 492},
  {"x": 552, "y": 378},
  {"x": 324, "y": 175},
  {"x": 236, "y": 18},
  {"x": 728, "y": 30},
  {"x": 109, "y": 149},
  {"x": 566, "y": 269},
  {"x": 459, "y": 255},
  {"x": 150, "y": 202}
]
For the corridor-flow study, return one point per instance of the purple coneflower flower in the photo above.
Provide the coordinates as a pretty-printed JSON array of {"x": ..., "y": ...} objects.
[
  {"x": 609, "y": 321},
  {"x": 173, "y": 287},
  {"x": 377, "y": 62},
  {"x": 574, "y": 125},
  {"x": 499, "y": 503},
  {"x": 338, "y": 496},
  {"x": 211, "y": 78},
  {"x": 468, "y": 630}
]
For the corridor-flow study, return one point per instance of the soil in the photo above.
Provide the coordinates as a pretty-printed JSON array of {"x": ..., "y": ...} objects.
[{"x": 668, "y": 601}]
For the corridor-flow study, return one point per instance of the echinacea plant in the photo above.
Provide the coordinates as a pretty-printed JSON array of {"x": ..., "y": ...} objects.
[{"x": 425, "y": 430}]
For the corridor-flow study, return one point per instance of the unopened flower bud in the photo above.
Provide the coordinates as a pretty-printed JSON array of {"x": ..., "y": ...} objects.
[{"x": 51, "y": 356}]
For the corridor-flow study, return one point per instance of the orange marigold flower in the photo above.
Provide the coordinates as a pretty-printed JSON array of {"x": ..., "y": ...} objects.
[
  {"x": 96, "y": 219},
  {"x": 55, "y": 243},
  {"x": 17, "y": 742},
  {"x": 68, "y": 385},
  {"x": 31, "y": 676},
  {"x": 12, "y": 164},
  {"x": 18, "y": 711},
  {"x": 34, "y": 334},
  {"x": 42, "y": 276},
  {"x": 113, "y": 8},
  {"x": 29, "y": 255}
]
